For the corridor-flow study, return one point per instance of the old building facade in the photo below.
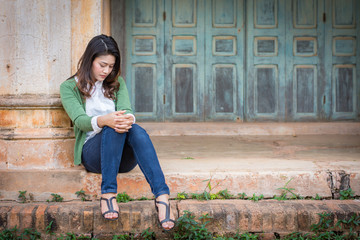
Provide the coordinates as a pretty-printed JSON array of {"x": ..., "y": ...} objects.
[{"x": 183, "y": 60}]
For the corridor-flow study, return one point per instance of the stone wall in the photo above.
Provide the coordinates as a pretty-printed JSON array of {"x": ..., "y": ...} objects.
[{"x": 41, "y": 42}]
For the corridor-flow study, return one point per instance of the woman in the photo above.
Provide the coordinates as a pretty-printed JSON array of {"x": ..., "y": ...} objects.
[{"x": 107, "y": 139}]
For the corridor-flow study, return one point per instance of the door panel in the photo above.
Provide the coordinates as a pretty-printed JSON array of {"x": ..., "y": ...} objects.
[
  {"x": 265, "y": 13},
  {"x": 305, "y": 82},
  {"x": 305, "y": 85},
  {"x": 225, "y": 77},
  {"x": 224, "y": 58},
  {"x": 144, "y": 56},
  {"x": 343, "y": 58},
  {"x": 144, "y": 82},
  {"x": 184, "y": 76},
  {"x": 265, "y": 60},
  {"x": 184, "y": 60},
  {"x": 266, "y": 90},
  {"x": 305, "y": 13}
]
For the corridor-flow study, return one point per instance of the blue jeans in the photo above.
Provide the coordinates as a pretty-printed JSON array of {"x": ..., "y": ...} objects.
[{"x": 110, "y": 153}]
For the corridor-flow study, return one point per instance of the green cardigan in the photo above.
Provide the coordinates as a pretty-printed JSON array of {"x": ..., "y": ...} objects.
[{"x": 74, "y": 105}]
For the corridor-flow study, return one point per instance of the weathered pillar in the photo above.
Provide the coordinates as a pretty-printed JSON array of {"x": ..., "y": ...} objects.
[{"x": 41, "y": 42}]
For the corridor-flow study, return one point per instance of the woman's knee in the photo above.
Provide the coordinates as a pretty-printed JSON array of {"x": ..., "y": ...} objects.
[
  {"x": 138, "y": 133},
  {"x": 108, "y": 131},
  {"x": 137, "y": 129}
]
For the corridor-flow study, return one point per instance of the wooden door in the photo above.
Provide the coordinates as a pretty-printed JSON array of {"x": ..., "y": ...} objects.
[
  {"x": 342, "y": 40},
  {"x": 265, "y": 83},
  {"x": 184, "y": 60},
  {"x": 145, "y": 57},
  {"x": 224, "y": 59},
  {"x": 304, "y": 60},
  {"x": 247, "y": 60}
]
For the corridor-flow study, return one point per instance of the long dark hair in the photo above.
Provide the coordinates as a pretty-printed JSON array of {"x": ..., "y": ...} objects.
[{"x": 98, "y": 46}]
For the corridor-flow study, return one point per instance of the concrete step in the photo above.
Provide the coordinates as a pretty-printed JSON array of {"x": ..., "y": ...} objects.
[
  {"x": 315, "y": 164},
  {"x": 52, "y": 147},
  {"x": 268, "y": 218},
  {"x": 251, "y": 128}
]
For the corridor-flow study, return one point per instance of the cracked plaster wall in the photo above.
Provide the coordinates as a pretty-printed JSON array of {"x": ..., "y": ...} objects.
[{"x": 41, "y": 42}]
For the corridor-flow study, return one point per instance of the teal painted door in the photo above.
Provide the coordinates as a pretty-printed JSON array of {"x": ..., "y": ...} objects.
[
  {"x": 224, "y": 60},
  {"x": 285, "y": 74},
  {"x": 203, "y": 60},
  {"x": 305, "y": 82},
  {"x": 254, "y": 60},
  {"x": 184, "y": 60},
  {"x": 265, "y": 83},
  {"x": 342, "y": 40},
  {"x": 302, "y": 60},
  {"x": 145, "y": 58}
]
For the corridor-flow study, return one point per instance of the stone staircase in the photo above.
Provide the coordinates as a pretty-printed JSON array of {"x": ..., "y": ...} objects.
[{"x": 252, "y": 158}]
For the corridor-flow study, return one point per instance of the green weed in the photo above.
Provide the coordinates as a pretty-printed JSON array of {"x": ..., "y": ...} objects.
[
  {"x": 256, "y": 198},
  {"x": 55, "y": 198},
  {"x": 351, "y": 223},
  {"x": 48, "y": 228},
  {"x": 182, "y": 196},
  {"x": 347, "y": 194},
  {"x": 123, "y": 197},
  {"x": 298, "y": 236},
  {"x": 148, "y": 235},
  {"x": 72, "y": 236},
  {"x": 122, "y": 237},
  {"x": 317, "y": 197},
  {"x": 81, "y": 194},
  {"x": 245, "y": 236},
  {"x": 14, "y": 234},
  {"x": 188, "y": 228},
  {"x": 224, "y": 194},
  {"x": 203, "y": 196},
  {"x": 206, "y": 194},
  {"x": 22, "y": 196},
  {"x": 30, "y": 234},
  {"x": 324, "y": 223},
  {"x": 8, "y": 234},
  {"x": 143, "y": 199},
  {"x": 284, "y": 191},
  {"x": 242, "y": 195}
]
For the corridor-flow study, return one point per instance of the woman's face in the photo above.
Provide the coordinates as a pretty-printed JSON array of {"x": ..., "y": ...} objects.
[{"x": 102, "y": 67}]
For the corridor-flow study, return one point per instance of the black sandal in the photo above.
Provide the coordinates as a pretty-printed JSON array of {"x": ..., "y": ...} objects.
[
  {"x": 167, "y": 215},
  {"x": 110, "y": 207}
]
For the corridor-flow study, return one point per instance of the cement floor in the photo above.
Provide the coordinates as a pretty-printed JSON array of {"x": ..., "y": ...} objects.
[{"x": 254, "y": 153}]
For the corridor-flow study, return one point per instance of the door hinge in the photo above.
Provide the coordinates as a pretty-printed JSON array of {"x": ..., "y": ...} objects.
[
  {"x": 324, "y": 100},
  {"x": 164, "y": 15},
  {"x": 164, "y": 99},
  {"x": 324, "y": 17}
]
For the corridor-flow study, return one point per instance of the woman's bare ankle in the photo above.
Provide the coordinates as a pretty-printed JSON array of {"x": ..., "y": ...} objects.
[{"x": 108, "y": 195}]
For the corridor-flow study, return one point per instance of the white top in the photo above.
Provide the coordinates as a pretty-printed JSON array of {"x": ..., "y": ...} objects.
[{"x": 98, "y": 105}]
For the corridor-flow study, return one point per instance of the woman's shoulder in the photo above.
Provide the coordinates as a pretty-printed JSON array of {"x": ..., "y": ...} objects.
[
  {"x": 71, "y": 82},
  {"x": 121, "y": 80}
]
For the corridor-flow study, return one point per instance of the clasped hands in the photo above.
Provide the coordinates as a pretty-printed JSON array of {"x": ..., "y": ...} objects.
[{"x": 118, "y": 120}]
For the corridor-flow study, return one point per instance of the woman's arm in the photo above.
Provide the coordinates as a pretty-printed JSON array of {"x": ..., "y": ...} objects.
[
  {"x": 122, "y": 96},
  {"x": 73, "y": 106},
  {"x": 119, "y": 121}
]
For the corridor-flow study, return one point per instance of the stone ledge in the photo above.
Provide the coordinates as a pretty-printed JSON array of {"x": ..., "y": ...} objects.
[
  {"x": 30, "y": 101},
  {"x": 41, "y": 183},
  {"x": 251, "y": 128},
  {"x": 266, "y": 217},
  {"x": 36, "y": 133}
]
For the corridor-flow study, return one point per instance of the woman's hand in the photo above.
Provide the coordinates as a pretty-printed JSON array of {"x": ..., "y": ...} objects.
[
  {"x": 119, "y": 121},
  {"x": 123, "y": 122}
]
